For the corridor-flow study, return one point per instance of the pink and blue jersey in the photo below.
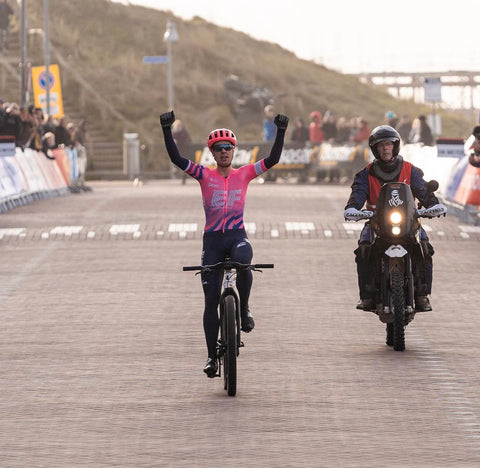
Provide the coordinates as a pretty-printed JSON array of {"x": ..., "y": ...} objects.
[{"x": 224, "y": 197}]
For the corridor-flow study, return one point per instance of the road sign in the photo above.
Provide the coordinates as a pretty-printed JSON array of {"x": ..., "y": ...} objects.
[
  {"x": 41, "y": 82},
  {"x": 155, "y": 59},
  {"x": 433, "y": 89}
]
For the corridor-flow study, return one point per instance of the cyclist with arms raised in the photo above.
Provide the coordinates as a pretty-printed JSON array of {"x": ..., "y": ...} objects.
[{"x": 224, "y": 191}]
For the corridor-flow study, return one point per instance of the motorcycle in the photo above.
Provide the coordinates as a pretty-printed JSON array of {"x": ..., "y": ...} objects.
[{"x": 396, "y": 254}]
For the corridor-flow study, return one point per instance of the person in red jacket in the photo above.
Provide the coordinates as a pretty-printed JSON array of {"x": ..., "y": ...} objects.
[
  {"x": 389, "y": 166},
  {"x": 363, "y": 131},
  {"x": 315, "y": 127}
]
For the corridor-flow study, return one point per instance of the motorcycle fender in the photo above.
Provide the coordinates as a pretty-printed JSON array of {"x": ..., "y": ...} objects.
[{"x": 395, "y": 251}]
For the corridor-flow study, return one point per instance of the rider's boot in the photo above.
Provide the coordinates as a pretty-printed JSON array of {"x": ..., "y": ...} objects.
[
  {"x": 364, "y": 277},
  {"x": 248, "y": 324},
  {"x": 422, "y": 304},
  {"x": 366, "y": 304},
  {"x": 211, "y": 367}
]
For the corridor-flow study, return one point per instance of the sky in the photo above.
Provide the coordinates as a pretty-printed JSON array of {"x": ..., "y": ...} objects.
[{"x": 351, "y": 36}]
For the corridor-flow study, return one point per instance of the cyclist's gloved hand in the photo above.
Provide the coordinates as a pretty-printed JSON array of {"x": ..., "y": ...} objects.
[
  {"x": 281, "y": 121},
  {"x": 354, "y": 215},
  {"x": 167, "y": 119}
]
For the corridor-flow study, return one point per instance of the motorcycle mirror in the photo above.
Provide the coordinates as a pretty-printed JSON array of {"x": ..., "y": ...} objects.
[{"x": 432, "y": 186}]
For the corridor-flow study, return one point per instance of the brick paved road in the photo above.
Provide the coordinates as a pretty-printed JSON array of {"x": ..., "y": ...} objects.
[{"x": 102, "y": 348}]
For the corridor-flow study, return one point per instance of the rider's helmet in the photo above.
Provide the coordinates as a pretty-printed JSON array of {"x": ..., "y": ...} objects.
[
  {"x": 384, "y": 133},
  {"x": 221, "y": 134}
]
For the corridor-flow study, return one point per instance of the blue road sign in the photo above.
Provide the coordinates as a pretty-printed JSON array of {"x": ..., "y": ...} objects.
[{"x": 155, "y": 59}]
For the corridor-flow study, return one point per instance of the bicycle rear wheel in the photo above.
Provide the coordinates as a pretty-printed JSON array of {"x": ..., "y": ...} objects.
[{"x": 229, "y": 332}]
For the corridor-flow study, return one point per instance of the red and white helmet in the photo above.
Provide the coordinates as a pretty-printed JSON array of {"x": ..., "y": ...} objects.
[{"x": 221, "y": 134}]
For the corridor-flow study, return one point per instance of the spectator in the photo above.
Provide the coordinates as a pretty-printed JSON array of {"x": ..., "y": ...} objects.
[
  {"x": 315, "y": 127},
  {"x": 269, "y": 128},
  {"x": 343, "y": 131},
  {"x": 12, "y": 123},
  {"x": 421, "y": 132},
  {"x": 5, "y": 13},
  {"x": 36, "y": 139},
  {"x": 184, "y": 142},
  {"x": 27, "y": 128},
  {"x": 391, "y": 119},
  {"x": 79, "y": 142},
  {"x": 404, "y": 128},
  {"x": 62, "y": 137},
  {"x": 329, "y": 126},
  {"x": 362, "y": 132},
  {"x": 49, "y": 124},
  {"x": 48, "y": 143},
  {"x": 474, "y": 153},
  {"x": 300, "y": 132}
]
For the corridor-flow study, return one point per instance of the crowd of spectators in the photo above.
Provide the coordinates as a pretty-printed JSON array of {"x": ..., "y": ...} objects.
[
  {"x": 411, "y": 131},
  {"x": 329, "y": 129},
  {"x": 340, "y": 131},
  {"x": 32, "y": 129}
]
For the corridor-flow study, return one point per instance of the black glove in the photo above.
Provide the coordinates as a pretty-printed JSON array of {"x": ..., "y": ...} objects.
[
  {"x": 167, "y": 119},
  {"x": 281, "y": 121}
]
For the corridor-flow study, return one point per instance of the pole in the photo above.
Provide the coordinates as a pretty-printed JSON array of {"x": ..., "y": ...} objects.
[
  {"x": 170, "y": 74},
  {"x": 46, "y": 12},
  {"x": 23, "y": 84}
]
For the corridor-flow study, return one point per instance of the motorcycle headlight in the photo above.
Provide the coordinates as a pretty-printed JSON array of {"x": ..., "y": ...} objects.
[
  {"x": 396, "y": 217},
  {"x": 396, "y": 230}
]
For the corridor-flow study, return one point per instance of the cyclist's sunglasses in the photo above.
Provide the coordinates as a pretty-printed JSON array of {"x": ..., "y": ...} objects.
[{"x": 219, "y": 148}]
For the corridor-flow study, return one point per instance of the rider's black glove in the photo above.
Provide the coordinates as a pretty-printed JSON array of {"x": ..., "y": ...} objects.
[
  {"x": 281, "y": 121},
  {"x": 167, "y": 119}
]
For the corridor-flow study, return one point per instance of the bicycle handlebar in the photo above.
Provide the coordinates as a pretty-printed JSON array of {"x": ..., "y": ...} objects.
[{"x": 228, "y": 265}]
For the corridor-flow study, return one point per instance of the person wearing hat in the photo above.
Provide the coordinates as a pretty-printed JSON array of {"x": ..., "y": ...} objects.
[{"x": 474, "y": 157}]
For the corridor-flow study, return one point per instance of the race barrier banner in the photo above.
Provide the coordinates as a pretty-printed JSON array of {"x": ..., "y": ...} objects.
[
  {"x": 468, "y": 192},
  {"x": 303, "y": 160},
  {"x": 455, "y": 177},
  {"x": 27, "y": 174}
]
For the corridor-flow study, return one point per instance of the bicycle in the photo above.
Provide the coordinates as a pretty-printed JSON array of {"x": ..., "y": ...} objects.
[{"x": 229, "y": 343}]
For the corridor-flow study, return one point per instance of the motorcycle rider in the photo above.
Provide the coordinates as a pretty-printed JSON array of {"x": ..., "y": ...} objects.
[
  {"x": 389, "y": 166},
  {"x": 224, "y": 190}
]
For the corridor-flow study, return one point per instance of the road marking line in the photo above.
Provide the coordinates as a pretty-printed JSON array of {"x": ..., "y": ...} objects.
[
  {"x": 66, "y": 230},
  {"x": 123, "y": 228},
  {"x": 12, "y": 232},
  {"x": 185, "y": 227},
  {"x": 300, "y": 226}
]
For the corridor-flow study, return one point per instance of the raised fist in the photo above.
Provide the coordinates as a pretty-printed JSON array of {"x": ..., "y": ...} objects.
[
  {"x": 281, "y": 121},
  {"x": 167, "y": 119}
]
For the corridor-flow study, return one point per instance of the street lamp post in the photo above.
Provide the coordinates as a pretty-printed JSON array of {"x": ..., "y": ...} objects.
[
  {"x": 23, "y": 86},
  {"x": 170, "y": 37},
  {"x": 46, "y": 12}
]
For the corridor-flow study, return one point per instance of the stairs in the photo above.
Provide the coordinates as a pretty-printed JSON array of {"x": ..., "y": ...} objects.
[{"x": 105, "y": 157}]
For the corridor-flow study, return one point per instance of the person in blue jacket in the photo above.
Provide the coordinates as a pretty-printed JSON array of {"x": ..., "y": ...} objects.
[{"x": 388, "y": 166}]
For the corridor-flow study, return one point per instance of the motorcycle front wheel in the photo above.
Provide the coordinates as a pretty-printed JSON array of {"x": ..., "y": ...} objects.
[{"x": 398, "y": 309}]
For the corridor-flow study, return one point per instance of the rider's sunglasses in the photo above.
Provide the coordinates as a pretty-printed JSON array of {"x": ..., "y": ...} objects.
[{"x": 219, "y": 148}]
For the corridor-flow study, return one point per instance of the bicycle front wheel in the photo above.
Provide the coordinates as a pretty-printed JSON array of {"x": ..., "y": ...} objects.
[{"x": 229, "y": 329}]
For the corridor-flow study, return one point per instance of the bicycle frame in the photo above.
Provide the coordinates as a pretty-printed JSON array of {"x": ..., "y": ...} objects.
[{"x": 229, "y": 299}]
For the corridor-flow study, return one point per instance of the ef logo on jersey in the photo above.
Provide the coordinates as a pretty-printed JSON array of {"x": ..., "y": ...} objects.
[{"x": 221, "y": 197}]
